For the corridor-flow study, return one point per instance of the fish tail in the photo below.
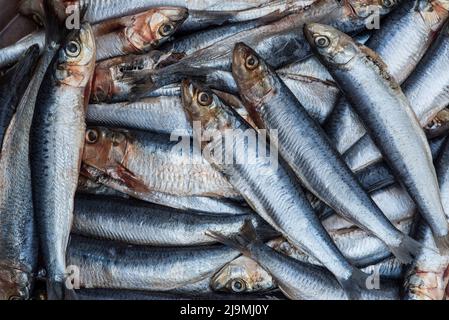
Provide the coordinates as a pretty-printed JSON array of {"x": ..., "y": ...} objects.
[
  {"x": 442, "y": 243},
  {"x": 406, "y": 250},
  {"x": 354, "y": 285},
  {"x": 241, "y": 241}
]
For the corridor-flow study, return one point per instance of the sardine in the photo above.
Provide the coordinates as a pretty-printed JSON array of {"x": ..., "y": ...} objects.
[
  {"x": 152, "y": 162},
  {"x": 163, "y": 114},
  {"x": 111, "y": 84},
  {"x": 296, "y": 279},
  {"x": 242, "y": 276},
  {"x": 141, "y": 223},
  {"x": 279, "y": 43},
  {"x": 427, "y": 277},
  {"x": 18, "y": 238},
  {"x": 271, "y": 190},
  {"x": 401, "y": 42},
  {"x": 381, "y": 104},
  {"x": 138, "y": 33},
  {"x": 100, "y": 10},
  {"x": 197, "y": 203},
  {"x": 306, "y": 149},
  {"x": 12, "y": 87},
  {"x": 428, "y": 87},
  {"x": 57, "y": 138},
  {"x": 427, "y": 91},
  {"x": 103, "y": 264}
]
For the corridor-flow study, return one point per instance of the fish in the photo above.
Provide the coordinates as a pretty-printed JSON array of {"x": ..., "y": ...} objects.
[
  {"x": 97, "y": 10},
  {"x": 138, "y": 33},
  {"x": 12, "y": 53},
  {"x": 383, "y": 107},
  {"x": 242, "y": 276},
  {"x": 57, "y": 138},
  {"x": 12, "y": 87},
  {"x": 142, "y": 223},
  {"x": 304, "y": 146},
  {"x": 296, "y": 279},
  {"x": 18, "y": 238},
  {"x": 104, "y": 264},
  {"x": 426, "y": 278},
  {"x": 154, "y": 163},
  {"x": 200, "y": 20},
  {"x": 425, "y": 104},
  {"x": 431, "y": 73},
  {"x": 401, "y": 42},
  {"x": 163, "y": 115},
  {"x": 271, "y": 190},
  {"x": 197, "y": 203},
  {"x": 111, "y": 84},
  {"x": 359, "y": 247},
  {"x": 279, "y": 43},
  {"x": 364, "y": 153}
]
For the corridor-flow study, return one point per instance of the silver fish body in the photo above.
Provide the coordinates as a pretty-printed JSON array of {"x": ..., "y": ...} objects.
[
  {"x": 401, "y": 42},
  {"x": 197, "y": 203},
  {"x": 306, "y": 149},
  {"x": 104, "y": 264},
  {"x": 389, "y": 118},
  {"x": 57, "y": 140},
  {"x": 427, "y": 277},
  {"x": 271, "y": 190},
  {"x": 18, "y": 237},
  {"x": 145, "y": 224},
  {"x": 299, "y": 280},
  {"x": 163, "y": 114}
]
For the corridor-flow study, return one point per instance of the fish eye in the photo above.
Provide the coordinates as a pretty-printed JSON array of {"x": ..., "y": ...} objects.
[
  {"x": 322, "y": 41},
  {"x": 252, "y": 62},
  {"x": 387, "y": 3},
  {"x": 73, "y": 49},
  {"x": 166, "y": 29},
  {"x": 204, "y": 99},
  {"x": 91, "y": 136},
  {"x": 238, "y": 285}
]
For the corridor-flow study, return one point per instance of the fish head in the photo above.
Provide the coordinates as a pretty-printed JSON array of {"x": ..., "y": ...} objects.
[
  {"x": 368, "y": 8},
  {"x": 151, "y": 28},
  {"x": 333, "y": 47},
  {"x": 253, "y": 78},
  {"x": 14, "y": 284},
  {"x": 203, "y": 106},
  {"x": 76, "y": 58},
  {"x": 104, "y": 149},
  {"x": 242, "y": 275}
]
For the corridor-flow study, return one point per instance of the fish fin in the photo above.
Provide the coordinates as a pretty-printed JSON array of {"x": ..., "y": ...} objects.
[
  {"x": 127, "y": 177},
  {"x": 442, "y": 244},
  {"x": 407, "y": 250},
  {"x": 240, "y": 241},
  {"x": 55, "y": 290},
  {"x": 264, "y": 230},
  {"x": 354, "y": 284}
]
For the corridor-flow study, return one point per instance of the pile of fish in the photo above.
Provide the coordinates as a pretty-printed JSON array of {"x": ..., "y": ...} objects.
[{"x": 113, "y": 188}]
